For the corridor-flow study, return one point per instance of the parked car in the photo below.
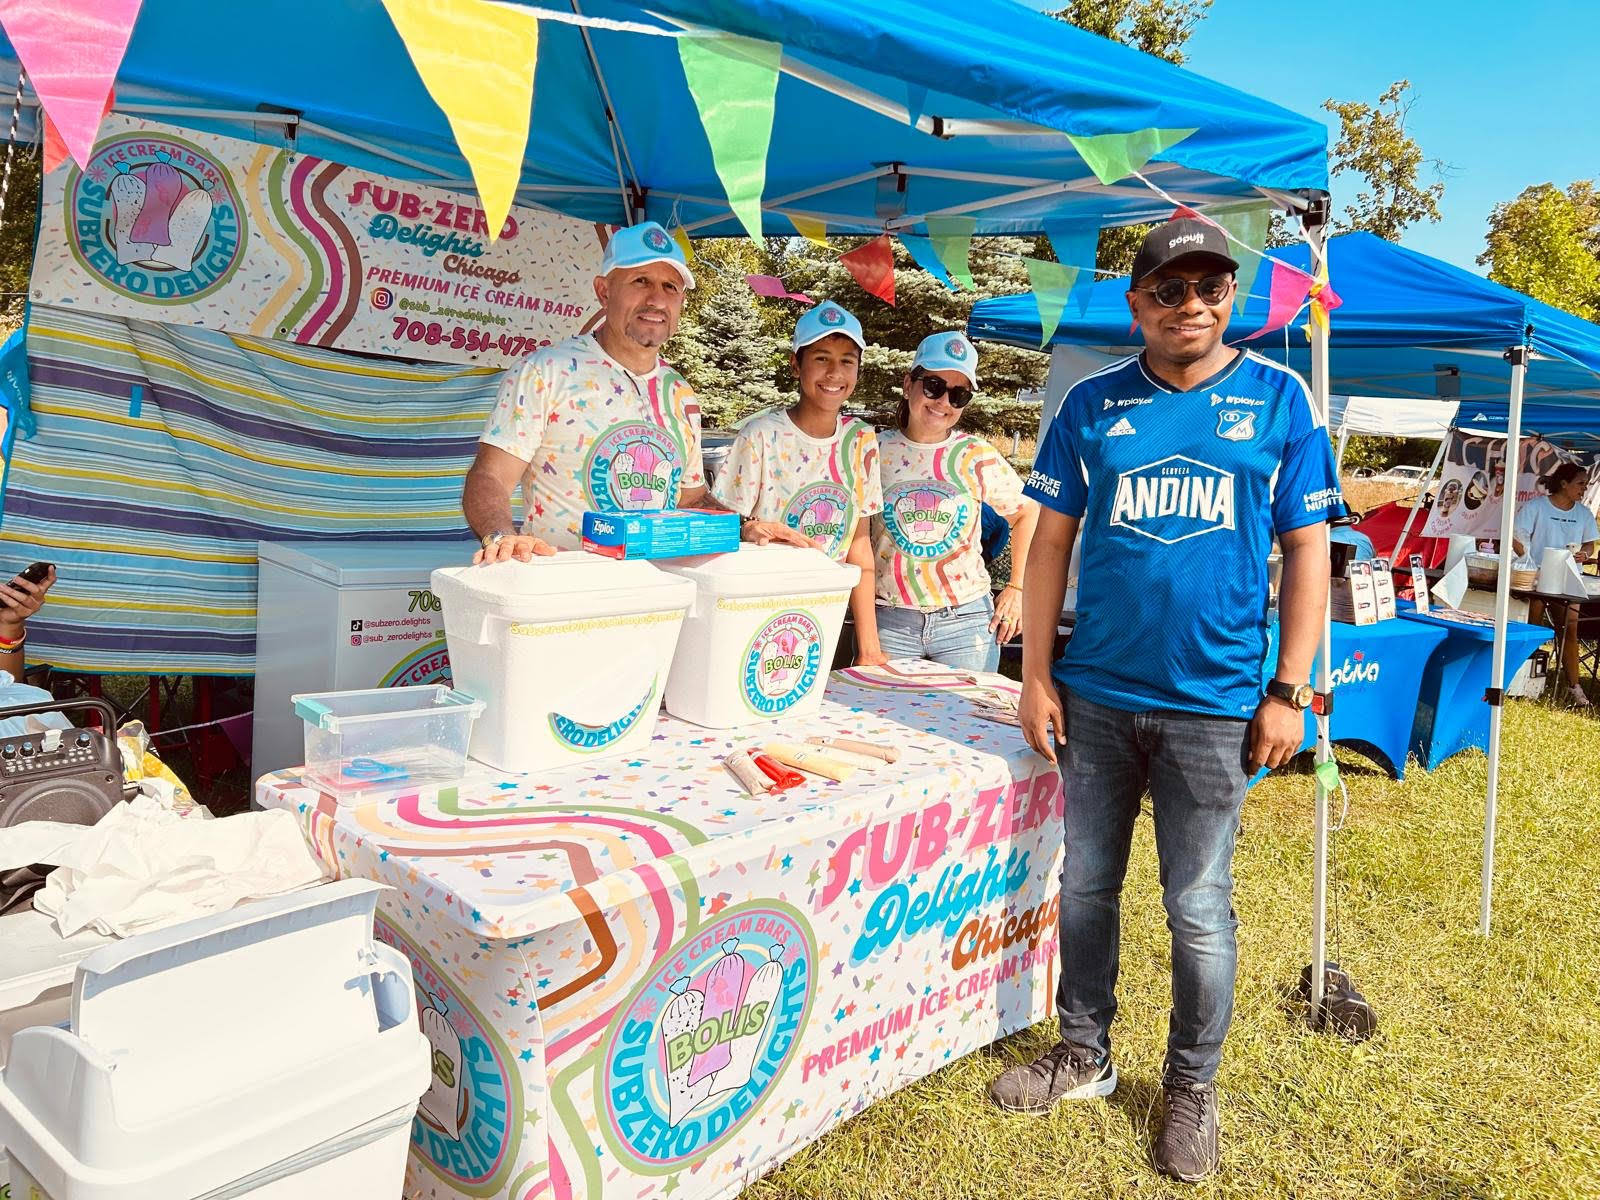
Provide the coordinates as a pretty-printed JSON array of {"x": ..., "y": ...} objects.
[{"x": 1401, "y": 474}]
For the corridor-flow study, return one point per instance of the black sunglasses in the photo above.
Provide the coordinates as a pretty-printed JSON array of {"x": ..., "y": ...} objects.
[
  {"x": 933, "y": 387},
  {"x": 1170, "y": 293}
]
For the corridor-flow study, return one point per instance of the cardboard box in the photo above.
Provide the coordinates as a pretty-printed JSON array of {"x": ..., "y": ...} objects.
[
  {"x": 668, "y": 533},
  {"x": 1355, "y": 600},
  {"x": 1383, "y": 585}
]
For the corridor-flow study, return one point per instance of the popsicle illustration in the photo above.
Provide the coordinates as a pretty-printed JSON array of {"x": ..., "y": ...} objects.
[
  {"x": 641, "y": 461},
  {"x": 763, "y": 988},
  {"x": 925, "y": 505},
  {"x": 127, "y": 199},
  {"x": 724, "y": 984},
  {"x": 441, "y": 1103},
  {"x": 821, "y": 513},
  {"x": 781, "y": 647},
  {"x": 187, "y": 226},
  {"x": 163, "y": 188},
  {"x": 680, "y": 1016}
]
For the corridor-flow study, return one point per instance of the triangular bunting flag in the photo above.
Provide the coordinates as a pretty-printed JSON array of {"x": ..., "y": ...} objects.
[
  {"x": 872, "y": 265},
  {"x": 813, "y": 231},
  {"x": 774, "y": 288},
  {"x": 681, "y": 236},
  {"x": 1051, "y": 284},
  {"x": 916, "y": 101},
  {"x": 1114, "y": 156},
  {"x": 921, "y": 251},
  {"x": 477, "y": 61},
  {"x": 55, "y": 150},
  {"x": 952, "y": 242},
  {"x": 1077, "y": 244},
  {"x": 734, "y": 82},
  {"x": 1248, "y": 225},
  {"x": 71, "y": 50},
  {"x": 1289, "y": 289}
]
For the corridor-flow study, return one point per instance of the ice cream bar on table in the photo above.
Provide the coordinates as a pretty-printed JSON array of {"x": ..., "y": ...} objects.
[
  {"x": 888, "y": 754},
  {"x": 743, "y": 768},
  {"x": 810, "y": 758},
  {"x": 782, "y": 778},
  {"x": 666, "y": 533},
  {"x": 847, "y": 756}
]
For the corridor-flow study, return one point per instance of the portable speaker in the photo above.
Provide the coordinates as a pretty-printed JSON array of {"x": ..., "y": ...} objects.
[{"x": 69, "y": 775}]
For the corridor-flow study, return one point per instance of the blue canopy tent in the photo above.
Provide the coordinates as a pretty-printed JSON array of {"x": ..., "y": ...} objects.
[{"x": 1410, "y": 326}]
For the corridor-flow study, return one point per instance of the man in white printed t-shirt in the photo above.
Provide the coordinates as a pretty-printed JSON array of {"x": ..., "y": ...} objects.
[{"x": 598, "y": 421}]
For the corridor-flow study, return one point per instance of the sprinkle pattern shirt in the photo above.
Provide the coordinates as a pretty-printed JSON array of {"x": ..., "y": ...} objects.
[
  {"x": 820, "y": 486},
  {"x": 927, "y": 541},
  {"x": 595, "y": 436}
]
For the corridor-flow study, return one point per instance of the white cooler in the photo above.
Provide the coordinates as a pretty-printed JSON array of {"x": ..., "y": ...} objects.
[
  {"x": 569, "y": 654},
  {"x": 759, "y": 640},
  {"x": 272, "y": 1052}
]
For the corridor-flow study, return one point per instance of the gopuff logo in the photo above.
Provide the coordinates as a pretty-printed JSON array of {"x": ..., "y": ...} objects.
[
  {"x": 1173, "y": 499},
  {"x": 1185, "y": 238},
  {"x": 1355, "y": 670}
]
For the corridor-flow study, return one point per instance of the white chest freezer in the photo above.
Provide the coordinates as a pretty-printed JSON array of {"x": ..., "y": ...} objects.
[{"x": 337, "y": 616}]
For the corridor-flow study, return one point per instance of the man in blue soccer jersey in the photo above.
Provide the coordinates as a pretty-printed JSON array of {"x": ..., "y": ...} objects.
[{"x": 1179, "y": 466}]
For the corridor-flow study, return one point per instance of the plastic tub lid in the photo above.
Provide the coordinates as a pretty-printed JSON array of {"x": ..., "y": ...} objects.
[
  {"x": 590, "y": 581},
  {"x": 765, "y": 571}
]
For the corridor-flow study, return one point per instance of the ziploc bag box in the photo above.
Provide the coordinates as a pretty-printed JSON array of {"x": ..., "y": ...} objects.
[{"x": 668, "y": 533}]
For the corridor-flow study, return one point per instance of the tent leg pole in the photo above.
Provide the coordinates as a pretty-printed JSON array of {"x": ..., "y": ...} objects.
[
  {"x": 1316, "y": 235},
  {"x": 1517, "y": 356}
]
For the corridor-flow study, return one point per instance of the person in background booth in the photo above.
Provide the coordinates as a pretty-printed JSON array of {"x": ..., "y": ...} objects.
[
  {"x": 1559, "y": 519},
  {"x": 933, "y": 592},
  {"x": 809, "y": 471},
  {"x": 20, "y": 598}
]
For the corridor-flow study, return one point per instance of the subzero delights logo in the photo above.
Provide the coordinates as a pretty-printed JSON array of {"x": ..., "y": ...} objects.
[
  {"x": 586, "y": 739},
  {"x": 699, "y": 1044},
  {"x": 926, "y": 517},
  {"x": 633, "y": 467},
  {"x": 1173, "y": 499},
  {"x": 467, "y": 1119},
  {"x": 822, "y": 513},
  {"x": 956, "y": 349},
  {"x": 832, "y": 317},
  {"x": 430, "y": 664},
  {"x": 657, "y": 240},
  {"x": 782, "y": 662},
  {"x": 155, "y": 219}
]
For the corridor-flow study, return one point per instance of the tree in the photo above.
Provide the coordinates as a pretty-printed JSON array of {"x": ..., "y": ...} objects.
[
  {"x": 722, "y": 346},
  {"x": 17, "y": 235},
  {"x": 1546, "y": 243},
  {"x": 1374, "y": 146}
]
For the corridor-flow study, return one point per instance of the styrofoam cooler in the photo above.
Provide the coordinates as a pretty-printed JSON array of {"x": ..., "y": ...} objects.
[
  {"x": 569, "y": 653},
  {"x": 759, "y": 641},
  {"x": 273, "y": 1051}
]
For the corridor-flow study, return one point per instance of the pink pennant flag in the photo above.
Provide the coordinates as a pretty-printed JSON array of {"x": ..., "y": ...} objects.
[
  {"x": 774, "y": 288},
  {"x": 1288, "y": 293},
  {"x": 55, "y": 150},
  {"x": 71, "y": 50}
]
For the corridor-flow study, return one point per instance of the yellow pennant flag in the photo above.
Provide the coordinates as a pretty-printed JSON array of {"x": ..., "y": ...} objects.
[
  {"x": 477, "y": 61},
  {"x": 681, "y": 236},
  {"x": 812, "y": 231}
]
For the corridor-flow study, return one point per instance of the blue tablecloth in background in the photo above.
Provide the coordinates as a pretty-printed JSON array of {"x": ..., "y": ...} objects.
[{"x": 1451, "y": 715}]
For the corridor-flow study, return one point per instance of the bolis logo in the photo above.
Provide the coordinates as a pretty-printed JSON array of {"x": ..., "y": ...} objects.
[
  {"x": 1173, "y": 499},
  {"x": 1355, "y": 670}
]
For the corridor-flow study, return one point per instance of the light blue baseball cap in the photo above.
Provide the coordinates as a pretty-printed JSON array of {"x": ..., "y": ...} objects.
[
  {"x": 823, "y": 319},
  {"x": 641, "y": 245},
  {"x": 948, "y": 352}
]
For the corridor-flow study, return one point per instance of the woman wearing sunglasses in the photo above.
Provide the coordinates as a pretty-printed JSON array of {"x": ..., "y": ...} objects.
[{"x": 933, "y": 592}]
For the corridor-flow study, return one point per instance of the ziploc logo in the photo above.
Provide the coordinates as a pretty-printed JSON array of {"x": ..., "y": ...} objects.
[
  {"x": 588, "y": 739},
  {"x": 1173, "y": 499}
]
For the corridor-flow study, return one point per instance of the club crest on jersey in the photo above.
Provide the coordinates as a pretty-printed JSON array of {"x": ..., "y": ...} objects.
[
  {"x": 1173, "y": 499},
  {"x": 1235, "y": 426}
]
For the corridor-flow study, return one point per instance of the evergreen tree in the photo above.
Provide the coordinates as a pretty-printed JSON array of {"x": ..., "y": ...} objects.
[{"x": 722, "y": 347}]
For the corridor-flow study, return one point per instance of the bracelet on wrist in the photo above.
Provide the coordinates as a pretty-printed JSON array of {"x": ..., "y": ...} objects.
[
  {"x": 8, "y": 646},
  {"x": 1009, "y": 586}
]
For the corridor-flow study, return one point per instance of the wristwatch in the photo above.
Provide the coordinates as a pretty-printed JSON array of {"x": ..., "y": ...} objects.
[
  {"x": 1299, "y": 696},
  {"x": 490, "y": 540}
]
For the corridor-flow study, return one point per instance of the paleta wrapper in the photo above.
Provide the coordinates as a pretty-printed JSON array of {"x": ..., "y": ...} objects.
[{"x": 888, "y": 754}]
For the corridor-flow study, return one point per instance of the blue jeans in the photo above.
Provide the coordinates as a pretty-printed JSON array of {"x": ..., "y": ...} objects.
[
  {"x": 1194, "y": 768},
  {"x": 957, "y": 637}
]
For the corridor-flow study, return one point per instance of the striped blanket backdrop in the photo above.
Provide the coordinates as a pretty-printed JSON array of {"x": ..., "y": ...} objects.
[{"x": 163, "y": 454}]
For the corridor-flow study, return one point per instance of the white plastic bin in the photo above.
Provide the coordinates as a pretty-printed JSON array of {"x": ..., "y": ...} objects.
[
  {"x": 569, "y": 653},
  {"x": 272, "y": 1052},
  {"x": 759, "y": 641},
  {"x": 379, "y": 739}
]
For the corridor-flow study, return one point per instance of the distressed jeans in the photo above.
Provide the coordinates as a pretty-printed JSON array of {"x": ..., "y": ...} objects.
[
  {"x": 1194, "y": 768},
  {"x": 957, "y": 637}
]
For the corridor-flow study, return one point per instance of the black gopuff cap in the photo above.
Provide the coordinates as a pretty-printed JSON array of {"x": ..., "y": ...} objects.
[
  {"x": 1561, "y": 475},
  {"x": 1183, "y": 238}
]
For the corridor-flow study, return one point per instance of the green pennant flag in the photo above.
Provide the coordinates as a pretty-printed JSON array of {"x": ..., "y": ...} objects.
[
  {"x": 1114, "y": 156},
  {"x": 952, "y": 242},
  {"x": 1051, "y": 284},
  {"x": 1246, "y": 223},
  {"x": 1327, "y": 774},
  {"x": 734, "y": 82}
]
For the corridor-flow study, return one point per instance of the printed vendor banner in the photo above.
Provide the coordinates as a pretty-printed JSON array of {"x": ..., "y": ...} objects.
[
  {"x": 191, "y": 228},
  {"x": 1472, "y": 483}
]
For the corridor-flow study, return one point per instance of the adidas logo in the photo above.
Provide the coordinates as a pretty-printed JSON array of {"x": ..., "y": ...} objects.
[{"x": 1122, "y": 428}]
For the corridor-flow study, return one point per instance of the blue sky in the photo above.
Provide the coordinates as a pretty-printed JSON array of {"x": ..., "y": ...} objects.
[{"x": 1508, "y": 94}]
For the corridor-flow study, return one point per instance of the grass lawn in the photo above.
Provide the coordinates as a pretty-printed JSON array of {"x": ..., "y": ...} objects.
[{"x": 1484, "y": 1077}]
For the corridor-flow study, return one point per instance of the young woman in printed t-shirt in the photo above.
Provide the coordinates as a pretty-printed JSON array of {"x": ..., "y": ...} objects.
[
  {"x": 807, "y": 470},
  {"x": 1559, "y": 519},
  {"x": 933, "y": 591}
]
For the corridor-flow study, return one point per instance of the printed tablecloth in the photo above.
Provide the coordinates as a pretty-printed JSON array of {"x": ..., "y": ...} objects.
[{"x": 641, "y": 982}]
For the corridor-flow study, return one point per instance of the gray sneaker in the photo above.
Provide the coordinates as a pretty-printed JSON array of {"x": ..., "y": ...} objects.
[
  {"x": 1064, "y": 1072},
  {"x": 1187, "y": 1147}
]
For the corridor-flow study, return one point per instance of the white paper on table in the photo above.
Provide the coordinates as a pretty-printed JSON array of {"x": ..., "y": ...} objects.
[{"x": 1452, "y": 586}]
